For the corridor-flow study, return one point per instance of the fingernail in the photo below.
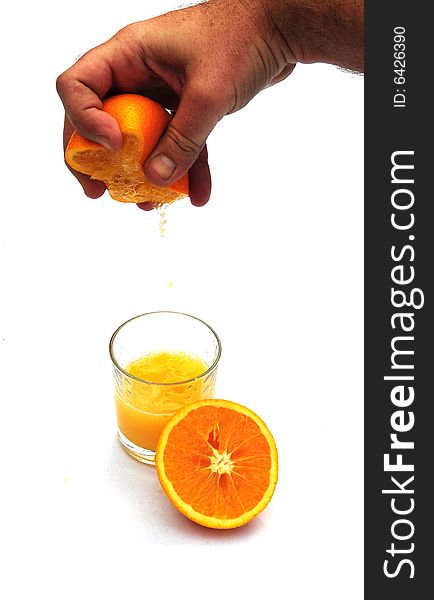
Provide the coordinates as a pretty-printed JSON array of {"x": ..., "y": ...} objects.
[
  {"x": 104, "y": 141},
  {"x": 163, "y": 166}
]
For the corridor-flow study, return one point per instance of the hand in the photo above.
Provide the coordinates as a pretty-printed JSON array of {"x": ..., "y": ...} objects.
[{"x": 205, "y": 61}]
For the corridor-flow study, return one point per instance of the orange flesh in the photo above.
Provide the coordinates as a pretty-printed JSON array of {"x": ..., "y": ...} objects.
[
  {"x": 123, "y": 174},
  {"x": 218, "y": 462}
]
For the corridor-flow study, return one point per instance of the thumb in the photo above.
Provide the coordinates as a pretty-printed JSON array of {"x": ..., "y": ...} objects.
[{"x": 184, "y": 138}]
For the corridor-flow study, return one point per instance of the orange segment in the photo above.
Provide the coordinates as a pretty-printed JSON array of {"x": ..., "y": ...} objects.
[
  {"x": 217, "y": 462},
  {"x": 142, "y": 122}
]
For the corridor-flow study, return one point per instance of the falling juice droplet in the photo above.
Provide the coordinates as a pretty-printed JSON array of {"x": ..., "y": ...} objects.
[{"x": 163, "y": 221}]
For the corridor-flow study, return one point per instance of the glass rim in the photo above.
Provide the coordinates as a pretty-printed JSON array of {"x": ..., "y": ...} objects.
[{"x": 167, "y": 312}]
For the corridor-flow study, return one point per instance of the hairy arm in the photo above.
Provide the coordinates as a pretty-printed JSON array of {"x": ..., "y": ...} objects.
[{"x": 328, "y": 31}]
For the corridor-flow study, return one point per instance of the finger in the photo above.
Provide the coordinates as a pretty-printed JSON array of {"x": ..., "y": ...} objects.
[
  {"x": 200, "y": 180},
  {"x": 184, "y": 138},
  {"x": 81, "y": 88},
  {"x": 68, "y": 130},
  {"x": 199, "y": 183},
  {"x": 147, "y": 205},
  {"x": 91, "y": 187}
]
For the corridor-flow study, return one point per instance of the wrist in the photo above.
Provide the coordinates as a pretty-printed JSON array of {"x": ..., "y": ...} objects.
[{"x": 329, "y": 31}]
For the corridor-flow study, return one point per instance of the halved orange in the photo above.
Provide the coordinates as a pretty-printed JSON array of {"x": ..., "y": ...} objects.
[
  {"x": 217, "y": 462},
  {"x": 142, "y": 122}
]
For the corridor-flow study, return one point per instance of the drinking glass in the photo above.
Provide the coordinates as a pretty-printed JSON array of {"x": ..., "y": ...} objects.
[{"x": 144, "y": 407}]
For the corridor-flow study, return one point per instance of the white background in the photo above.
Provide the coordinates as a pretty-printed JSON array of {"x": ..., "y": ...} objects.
[{"x": 273, "y": 263}]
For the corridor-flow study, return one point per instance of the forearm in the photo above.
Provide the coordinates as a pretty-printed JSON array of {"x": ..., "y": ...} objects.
[{"x": 329, "y": 31}]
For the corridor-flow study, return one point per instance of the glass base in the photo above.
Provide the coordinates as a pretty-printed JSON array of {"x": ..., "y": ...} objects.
[{"x": 140, "y": 454}]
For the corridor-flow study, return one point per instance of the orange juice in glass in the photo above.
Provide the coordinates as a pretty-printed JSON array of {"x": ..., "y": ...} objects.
[{"x": 161, "y": 361}]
